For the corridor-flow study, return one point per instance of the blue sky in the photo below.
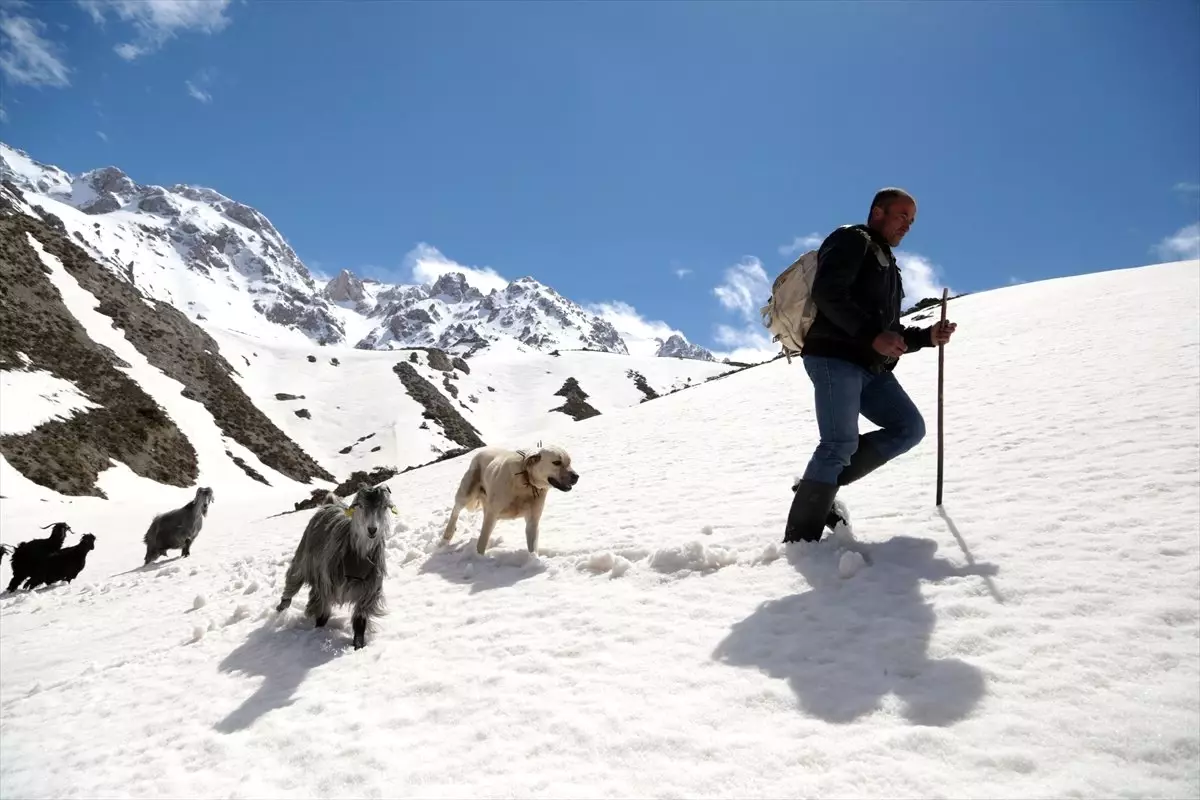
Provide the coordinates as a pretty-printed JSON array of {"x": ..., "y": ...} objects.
[{"x": 663, "y": 156}]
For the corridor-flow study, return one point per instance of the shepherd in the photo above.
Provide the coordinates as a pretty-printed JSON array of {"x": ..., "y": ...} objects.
[{"x": 850, "y": 351}]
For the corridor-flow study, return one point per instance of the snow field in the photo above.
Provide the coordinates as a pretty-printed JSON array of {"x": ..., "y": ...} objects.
[
  {"x": 363, "y": 396},
  {"x": 1036, "y": 638}
]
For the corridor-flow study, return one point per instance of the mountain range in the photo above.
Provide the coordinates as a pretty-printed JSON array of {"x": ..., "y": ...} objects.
[
  {"x": 214, "y": 257},
  {"x": 171, "y": 335}
]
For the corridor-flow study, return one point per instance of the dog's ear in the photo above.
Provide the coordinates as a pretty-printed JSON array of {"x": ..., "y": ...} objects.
[{"x": 533, "y": 459}]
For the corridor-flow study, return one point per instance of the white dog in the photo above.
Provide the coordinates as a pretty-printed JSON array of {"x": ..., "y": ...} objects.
[{"x": 508, "y": 484}]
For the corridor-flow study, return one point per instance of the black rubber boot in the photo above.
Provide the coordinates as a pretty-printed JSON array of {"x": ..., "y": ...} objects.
[
  {"x": 866, "y": 459},
  {"x": 810, "y": 511},
  {"x": 832, "y": 518}
]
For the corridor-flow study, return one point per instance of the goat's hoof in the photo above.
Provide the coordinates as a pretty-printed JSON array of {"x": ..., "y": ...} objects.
[
  {"x": 359, "y": 643},
  {"x": 283, "y": 604},
  {"x": 321, "y": 621}
]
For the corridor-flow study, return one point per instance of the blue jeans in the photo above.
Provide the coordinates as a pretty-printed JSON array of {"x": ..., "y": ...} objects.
[{"x": 842, "y": 391}]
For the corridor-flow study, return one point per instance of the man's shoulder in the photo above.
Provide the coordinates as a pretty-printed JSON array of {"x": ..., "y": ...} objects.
[{"x": 855, "y": 235}]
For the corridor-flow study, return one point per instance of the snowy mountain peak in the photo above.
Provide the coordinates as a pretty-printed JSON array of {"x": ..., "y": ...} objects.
[
  {"x": 345, "y": 288},
  {"x": 110, "y": 189},
  {"x": 28, "y": 174},
  {"x": 451, "y": 314},
  {"x": 676, "y": 346},
  {"x": 453, "y": 287}
]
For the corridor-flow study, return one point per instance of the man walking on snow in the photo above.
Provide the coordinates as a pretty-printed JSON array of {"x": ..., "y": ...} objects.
[{"x": 849, "y": 353}]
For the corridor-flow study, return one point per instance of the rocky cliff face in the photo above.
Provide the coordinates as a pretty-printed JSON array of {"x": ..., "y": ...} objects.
[
  {"x": 119, "y": 420},
  {"x": 346, "y": 288}
]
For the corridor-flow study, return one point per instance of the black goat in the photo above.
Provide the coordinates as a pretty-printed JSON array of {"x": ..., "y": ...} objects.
[
  {"x": 27, "y": 555},
  {"x": 62, "y": 565}
]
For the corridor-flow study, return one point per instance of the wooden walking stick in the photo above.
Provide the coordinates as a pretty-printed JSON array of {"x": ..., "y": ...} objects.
[{"x": 941, "y": 385}]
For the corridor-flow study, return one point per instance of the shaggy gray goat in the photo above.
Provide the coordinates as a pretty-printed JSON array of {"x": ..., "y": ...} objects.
[
  {"x": 341, "y": 556},
  {"x": 178, "y": 528}
]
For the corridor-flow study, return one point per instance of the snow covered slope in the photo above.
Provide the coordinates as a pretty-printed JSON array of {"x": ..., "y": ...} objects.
[
  {"x": 362, "y": 407},
  {"x": 1036, "y": 638}
]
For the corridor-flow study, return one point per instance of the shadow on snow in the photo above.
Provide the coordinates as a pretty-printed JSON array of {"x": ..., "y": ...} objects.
[
  {"x": 844, "y": 645},
  {"x": 497, "y": 569},
  {"x": 282, "y": 653}
]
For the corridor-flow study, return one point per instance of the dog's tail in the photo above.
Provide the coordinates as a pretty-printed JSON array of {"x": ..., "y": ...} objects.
[{"x": 471, "y": 487}]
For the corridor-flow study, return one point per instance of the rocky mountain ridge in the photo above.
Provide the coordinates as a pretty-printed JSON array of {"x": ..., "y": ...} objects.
[{"x": 233, "y": 260}]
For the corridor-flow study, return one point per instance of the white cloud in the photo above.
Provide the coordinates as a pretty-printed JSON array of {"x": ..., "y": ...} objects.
[
  {"x": 103, "y": 136},
  {"x": 745, "y": 291},
  {"x": 318, "y": 272},
  {"x": 1182, "y": 245},
  {"x": 157, "y": 21},
  {"x": 198, "y": 86},
  {"x": 682, "y": 272},
  {"x": 744, "y": 344},
  {"x": 747, "y": 355},
  {"x": 638, "y": 332},
  {"x": 428, "y": 264},
  {"x": 921, "y": 277},
  {"x": 198, "y": 93},
  {"x": 3, "y": 113},
  {"x": 27, "y": 58},
  {"x": 801, "y": 244},
  {"x": 1187, "y": 188}
]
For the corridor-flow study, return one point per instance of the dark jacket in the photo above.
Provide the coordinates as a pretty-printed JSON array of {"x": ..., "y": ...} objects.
[{"x": 857, "y": 298}]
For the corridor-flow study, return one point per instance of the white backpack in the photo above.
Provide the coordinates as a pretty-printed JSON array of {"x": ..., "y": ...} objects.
[{"x": 790, "y": 310}]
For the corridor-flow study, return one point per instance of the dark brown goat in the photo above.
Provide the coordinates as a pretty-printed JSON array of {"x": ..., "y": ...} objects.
[
  {"x": 62, "y": 565},
  {"x": 27, "y": 555}
]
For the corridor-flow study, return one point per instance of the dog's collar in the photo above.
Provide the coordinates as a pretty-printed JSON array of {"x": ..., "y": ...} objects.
[{"x": 537, "y": 490}]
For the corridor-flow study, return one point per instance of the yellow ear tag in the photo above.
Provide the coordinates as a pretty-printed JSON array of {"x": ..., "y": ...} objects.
[
  {"x": 349, "y": 512},
  {"x": 395, "y": 510}
]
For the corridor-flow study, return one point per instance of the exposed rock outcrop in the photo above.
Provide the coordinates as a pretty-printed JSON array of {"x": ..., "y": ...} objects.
[
  {"x": 131, "y": 427},
  {"x": 576, "y": 406},
  {"x": 437, "y": 408}
]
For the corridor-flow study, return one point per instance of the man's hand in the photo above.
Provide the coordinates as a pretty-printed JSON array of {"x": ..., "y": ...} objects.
[
  {"x": 889, "y": 343},
  {"x": 941, "y": 332}
]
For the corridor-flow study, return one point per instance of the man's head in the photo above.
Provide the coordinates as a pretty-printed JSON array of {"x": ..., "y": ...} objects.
[{"x": 893, "y": 211}]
